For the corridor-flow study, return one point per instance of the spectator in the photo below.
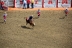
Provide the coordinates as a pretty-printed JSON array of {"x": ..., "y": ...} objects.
[
  {"x": 1, "y": 4},
  {"x": 24, "y": 4},
  {"x": 32, "y": 3},
  {"x": 28, "y": 3}
]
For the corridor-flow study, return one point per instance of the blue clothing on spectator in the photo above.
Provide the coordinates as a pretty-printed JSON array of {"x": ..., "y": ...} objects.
[{"x": 24, "y": 3}]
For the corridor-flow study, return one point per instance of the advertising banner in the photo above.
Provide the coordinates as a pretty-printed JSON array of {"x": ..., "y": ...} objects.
[
  {"x": 64, "y": 3},
  {"x": 38, "y": 4},
  {"x": 18, "y": 4},
  {"x": 10, "y": 2},
  {"x": 49, "y": 3}
]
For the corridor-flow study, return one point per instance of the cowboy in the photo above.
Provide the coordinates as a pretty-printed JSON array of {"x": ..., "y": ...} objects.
[
  {"x": 30, "y": 19},
  {"x": 66, "y": 11},
  {"x": 38, "y": 12},
  {"x": 4, "y": 16}
]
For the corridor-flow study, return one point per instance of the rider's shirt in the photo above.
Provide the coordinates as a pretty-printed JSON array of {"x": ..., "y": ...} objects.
[
  {"x": 4, "y": 15},
  {"x": 30, "y": 17},
  {"x": 38, "y": 12},
  {"x": 66, "y": 11}
]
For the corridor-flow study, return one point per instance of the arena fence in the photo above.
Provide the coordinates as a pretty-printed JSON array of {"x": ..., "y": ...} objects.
[{"x": 39, "y": 3}]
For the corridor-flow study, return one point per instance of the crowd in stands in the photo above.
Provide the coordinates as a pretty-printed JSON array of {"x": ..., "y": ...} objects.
[
  {"x": 1, "y": 3},
  {"x": 26, "y": 4}
]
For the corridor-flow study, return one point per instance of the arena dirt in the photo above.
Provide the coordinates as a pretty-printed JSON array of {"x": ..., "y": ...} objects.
[{"x": 51, "y": 30}]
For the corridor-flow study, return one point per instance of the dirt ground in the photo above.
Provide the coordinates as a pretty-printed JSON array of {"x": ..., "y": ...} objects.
[{"x": 51, "y": 30}]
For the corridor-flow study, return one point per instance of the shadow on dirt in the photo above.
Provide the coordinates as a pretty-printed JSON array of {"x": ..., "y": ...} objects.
[
  {"x": 35, "y": 17},
  {"x": 1, "y": 22},
  {"x": 62, "y": 17},
  {"x": 25, "y": 27}
]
